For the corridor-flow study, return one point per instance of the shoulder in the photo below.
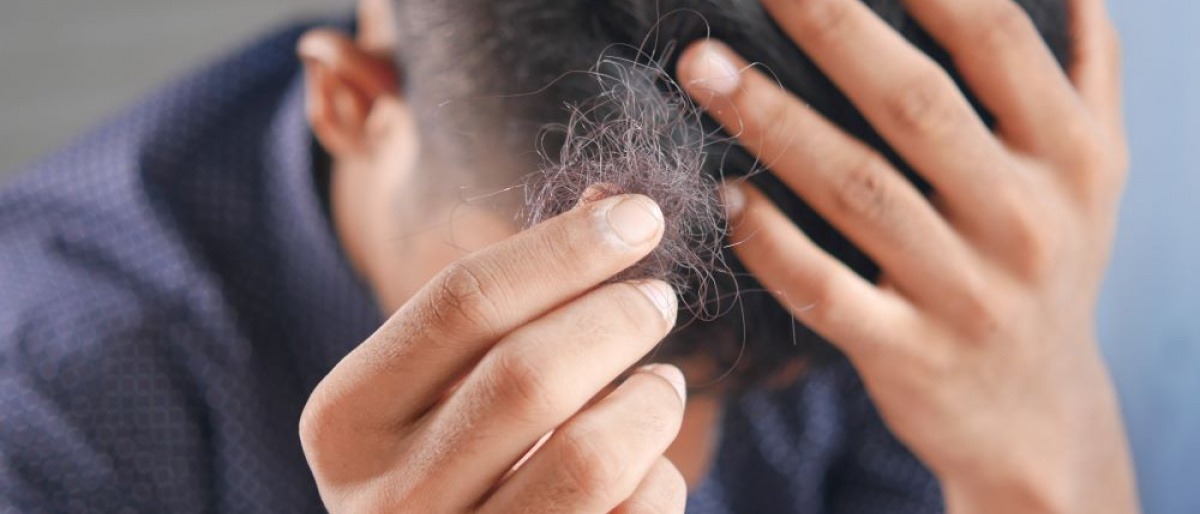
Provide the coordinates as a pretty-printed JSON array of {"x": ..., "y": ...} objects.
[
  {"x": 107, "y": 247},
  {"x": 116, "y": 338}
]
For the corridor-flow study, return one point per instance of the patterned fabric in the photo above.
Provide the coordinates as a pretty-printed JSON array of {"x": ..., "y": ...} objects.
[{"x": 171, "y": 291}]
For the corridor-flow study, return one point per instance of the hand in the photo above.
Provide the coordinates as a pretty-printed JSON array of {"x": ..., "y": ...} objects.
[
  {"x": 434, "y": 412},
  {"x": 978, "y": 343}
]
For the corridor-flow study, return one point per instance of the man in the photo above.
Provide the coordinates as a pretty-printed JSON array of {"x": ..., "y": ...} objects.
[{"x": 182, "y": 283}]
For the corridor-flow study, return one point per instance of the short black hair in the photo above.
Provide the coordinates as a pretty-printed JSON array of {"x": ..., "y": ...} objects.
[{"x": 491, "y": 74}]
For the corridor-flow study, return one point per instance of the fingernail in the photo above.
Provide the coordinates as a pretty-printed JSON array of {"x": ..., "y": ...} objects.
[
  {"x": 714, "y": 71},
  {"x": 734, "y": 200},
  {"x": 662, "y": 296},
  {"x": 670, "y": 374},
  {"x": 635, "y": 220}
]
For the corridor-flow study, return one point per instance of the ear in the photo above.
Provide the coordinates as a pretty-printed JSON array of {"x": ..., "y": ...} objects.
[{"x": 345, "y": 83}]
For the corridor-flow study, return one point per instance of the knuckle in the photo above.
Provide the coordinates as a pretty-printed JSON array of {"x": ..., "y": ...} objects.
[
  {"x": 820, "y": 309},
  {"x": 571, "y": 245},
  {"x": 1091, "y": 157},
  {"x": 343, "y": 458},
  {"x": 658, "y": 412},
  {"x": 1015, "y": 209},
  {"x": 863, "y": 192},
  {"x": 588, "y": 467},
  {"x": 462, "y": 298},
  {"x": 1033, "y": 246},
  {"x": 936, "y": 365},
  {"x": 825, "y": 20},
  {"x": 563, "y": 248},
  {"x": 314, "y": 423},
  {"x": 674, "y": 490},
  {"x": 320, "y": 416},
  {"x": 1083, "y": 139},
  {"x": 518, "y": 381},
  {"x": 925, "y": 107},
  {"x": 976, "y": 310},
  {"x": 1006, "y": 26},
  {"x": 663, "y": 491},
  {"x": 323, "y": 433},
  {"x": 774, "y": 117}
]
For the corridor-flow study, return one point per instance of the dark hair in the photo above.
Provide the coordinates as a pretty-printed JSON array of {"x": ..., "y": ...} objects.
[{"x": 491, "y": 74}]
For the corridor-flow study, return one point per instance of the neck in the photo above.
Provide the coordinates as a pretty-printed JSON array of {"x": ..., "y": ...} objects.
[{"x": 398, "y": 234}]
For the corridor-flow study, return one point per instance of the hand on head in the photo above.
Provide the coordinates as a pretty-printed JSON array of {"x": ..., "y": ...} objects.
[{"x": 977, "y": 344}]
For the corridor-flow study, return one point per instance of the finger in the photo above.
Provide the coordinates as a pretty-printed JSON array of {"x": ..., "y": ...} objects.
[
  {"x": 430, "y": 342},
  {"x": 534, "y": 380},
  {"x": 820, "y": 291},
  {"x": 843, "y": 179},
  {"x": 1096, "y": 62},
  {"x": 908, "y": 98},
  {"x": 663, "y": 491},
  {"x": 597, "y": 459},
  {"x": 1005, "y": 61}
]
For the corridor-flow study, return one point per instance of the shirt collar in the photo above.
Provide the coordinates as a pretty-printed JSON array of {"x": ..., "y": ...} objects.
[{"x": 317, "y": 280}]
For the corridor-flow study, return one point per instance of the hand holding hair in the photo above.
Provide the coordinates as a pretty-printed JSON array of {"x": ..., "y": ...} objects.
[
  {"x": 438, "y": 410},
  {"x": 978, "y": 343}
]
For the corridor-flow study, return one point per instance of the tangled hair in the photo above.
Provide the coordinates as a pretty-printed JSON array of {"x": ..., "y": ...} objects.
[
  {"x": 639, "y": 135},
  {"x": 574, "y": 94}
]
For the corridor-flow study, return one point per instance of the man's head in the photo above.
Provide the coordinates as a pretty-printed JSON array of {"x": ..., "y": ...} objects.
[{"x": 438, "y": 115}]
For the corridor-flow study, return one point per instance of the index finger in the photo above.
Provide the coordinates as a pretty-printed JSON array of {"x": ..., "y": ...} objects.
[{"x": 406, "y": 366}]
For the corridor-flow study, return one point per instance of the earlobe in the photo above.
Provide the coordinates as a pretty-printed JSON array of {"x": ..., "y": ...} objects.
[{"x": 344, "y": 83}]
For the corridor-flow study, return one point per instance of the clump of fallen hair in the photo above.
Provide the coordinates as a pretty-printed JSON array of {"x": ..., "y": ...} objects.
[{"x": 640, "y": 135}]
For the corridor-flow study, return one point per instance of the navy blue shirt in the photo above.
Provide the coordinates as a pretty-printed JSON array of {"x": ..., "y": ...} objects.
[{"x": 171, "y": 291}]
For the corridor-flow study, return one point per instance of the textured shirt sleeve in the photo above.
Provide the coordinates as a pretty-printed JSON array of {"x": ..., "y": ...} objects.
[{"x": 107, "y": 422}]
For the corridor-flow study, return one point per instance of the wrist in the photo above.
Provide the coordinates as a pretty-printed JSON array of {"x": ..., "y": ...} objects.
[
  {"x": 1072, "y": 458},
  {"x": 988, "y": 491},
  {"x": 1091, "y": 481}
]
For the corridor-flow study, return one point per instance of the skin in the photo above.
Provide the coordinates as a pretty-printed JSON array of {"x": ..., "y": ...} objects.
[{"x": 978, "y": 344}]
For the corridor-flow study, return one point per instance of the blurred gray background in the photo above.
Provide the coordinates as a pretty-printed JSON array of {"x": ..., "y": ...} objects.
[{"x": 66, "y": 63}]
